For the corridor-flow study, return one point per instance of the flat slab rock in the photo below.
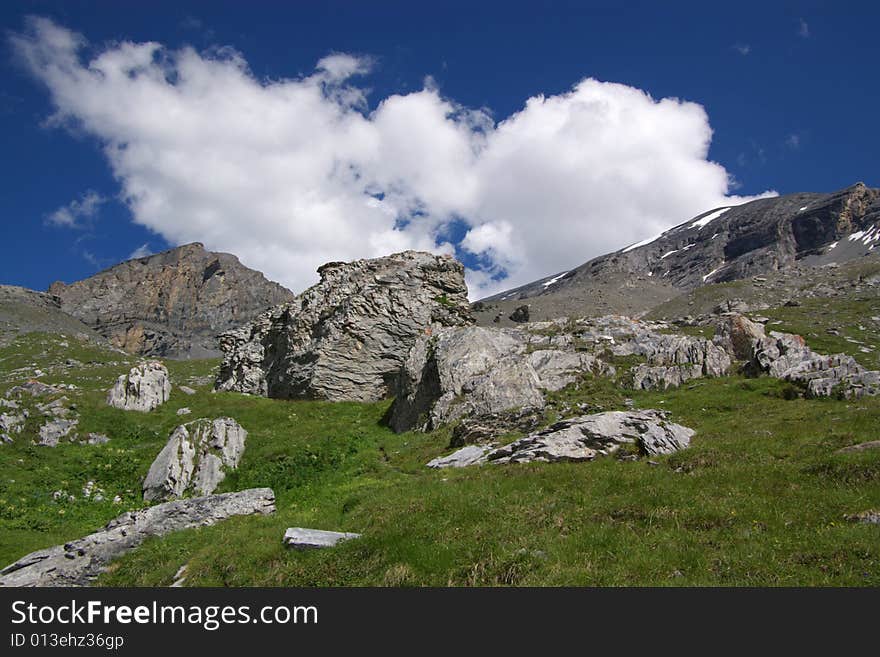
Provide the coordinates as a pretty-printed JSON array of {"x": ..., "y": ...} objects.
[
  {"x": 310, "y": 539},
  {"x": 79, "y": 562},
  {"x": 582, "y": 438}
]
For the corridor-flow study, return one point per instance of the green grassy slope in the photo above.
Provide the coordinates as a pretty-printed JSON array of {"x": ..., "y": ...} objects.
[{"x": 759, "y": 498}]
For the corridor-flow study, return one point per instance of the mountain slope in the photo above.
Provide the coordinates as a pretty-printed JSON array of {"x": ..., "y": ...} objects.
[
  {"x": 27, "y": 311},
  {"x": 170, "y": 304},
  {"x": 721, "y": 245}
]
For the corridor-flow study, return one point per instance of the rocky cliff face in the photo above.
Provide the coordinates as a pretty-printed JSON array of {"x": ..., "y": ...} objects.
[
  {"x": 346, "y": 337},
  {"x": 171, "y": 304},
  {"x": 721, "y": 245}
]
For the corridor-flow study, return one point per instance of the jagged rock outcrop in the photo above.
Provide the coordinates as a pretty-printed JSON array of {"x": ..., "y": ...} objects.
[
  {"x": 787, "y": 356},
  {"x": 673, "y": 359},
  {"x": 195, "y": 459},
  {"x": 582, "y": 438},
  {"x": 170, "y": 304},
  {"x": 477, "y": 372},
  {"x": 12, "y": 423},
  {"x": 346, "y": 337},
  {"x": 145, "y": 387},
  {"x": 480, "y": 376},
  {"x": 79, "y": 562}
]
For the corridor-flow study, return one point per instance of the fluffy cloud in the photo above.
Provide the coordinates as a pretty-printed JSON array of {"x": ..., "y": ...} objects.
[
  {"x": 77, "y": 213},
  {"x": 291, "y": 173}
]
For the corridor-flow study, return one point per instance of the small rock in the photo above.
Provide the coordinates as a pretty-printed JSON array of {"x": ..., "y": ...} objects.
[
  {"x": 870, "y": 517},
  {"x": 861, "y": 447},
  {"x": 54, "y": 430},
  {"x": 186, "y": 390},
  {"x": 97, "y": 439},
  {"x": 144, "y": 388},
  {"x": 183, "y": 411},
  {"x": 520, "y": 314},
  {"x": 306, "y": 539},
  {"x": 179, "y": 577},
  {"x": 469, "y": 455}
]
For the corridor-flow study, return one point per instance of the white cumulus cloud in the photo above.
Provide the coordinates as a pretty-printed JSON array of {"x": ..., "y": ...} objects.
[
  {"x": 78, "y": 212},
  {"x": 291, "y": 173}
]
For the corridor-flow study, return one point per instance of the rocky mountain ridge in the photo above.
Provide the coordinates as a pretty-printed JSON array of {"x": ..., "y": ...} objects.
[
  {"x": 759, "y": 238},
  {"x": 23, "y": 311},
  {"x": 171, "y": 304}
]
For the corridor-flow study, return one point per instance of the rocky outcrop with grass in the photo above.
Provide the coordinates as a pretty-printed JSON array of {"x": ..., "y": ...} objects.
[
  {"x": 584, "y": 438},
  {"x": 346, "y": 337},
  {"x": 476, "y": 372},
  {"x": 473, "y": 374},
  {"x": 195, "y": 459},
  {"x": 145, "y": 387},
  {"x": 171, "y": 304},
  {"x": 80, "y": 561},
  {"x": 786, "y": 356}
]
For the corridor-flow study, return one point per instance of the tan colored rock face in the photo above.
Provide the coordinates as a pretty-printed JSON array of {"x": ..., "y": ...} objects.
[
  {"x": 172, "y": 303},
  {"x": 346, "y": 337}
]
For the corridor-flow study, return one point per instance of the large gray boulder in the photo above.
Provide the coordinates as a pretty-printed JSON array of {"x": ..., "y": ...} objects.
[
  {"x": 79, "y": 562},
  {"x": 346, "y": 337},
  {"x": 195, "y": 459},
  {"x": 145, "y": 387},
  {"x": 469, "y": 372}
]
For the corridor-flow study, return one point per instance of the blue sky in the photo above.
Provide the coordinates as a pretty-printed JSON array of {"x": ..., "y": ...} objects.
[{"x": 788, "y": 89}]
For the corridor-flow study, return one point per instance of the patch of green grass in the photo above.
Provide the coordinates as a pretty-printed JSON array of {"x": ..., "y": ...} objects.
[
  {"x": 850, "y": 321},
  {"x": 758, "y": 499}
]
